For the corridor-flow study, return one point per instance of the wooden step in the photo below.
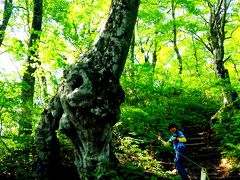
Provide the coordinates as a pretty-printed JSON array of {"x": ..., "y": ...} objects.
[
  {"x": 201, "y": 147},
  {"x": 196, "y": 134},
  {"x": 229, "y": 177},
  {"x": 199, "y": 151},
  {"x": 197, "y": 138},
  {"x": 192, "y": 139},
  {"x": 196, "y": 144},
  {"x": 204, "y": 157},
  {"x": 213, "y": 174}
]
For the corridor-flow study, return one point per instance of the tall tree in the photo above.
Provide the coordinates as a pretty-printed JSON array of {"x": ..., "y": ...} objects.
[
  {"x": 28, "y": 80},
  {"x": 8, "y": 6},
  {"x": 87, "y": 104},
  {"x": 179, "y": 57},
  {"x": 132, "y": 47},
  {"x": 217, "y": 36}
]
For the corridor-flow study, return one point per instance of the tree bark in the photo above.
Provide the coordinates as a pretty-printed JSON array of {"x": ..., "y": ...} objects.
[
  {"x": 28, "y": 80},
  {"x": 179, "y": 57},
  {"x": 217, "y": 21},
  {"x": 46, "y": 140},
  {"x": 132, "y": 48},
  {"x": 8, "y": 6},
  {"x": 44, "y": 89},
  {"x": 154, "y": 55},
  {"x": 195, "y": 56},
  {"x": 90, "y": 96},
  {"x": 145, "y": 52}
]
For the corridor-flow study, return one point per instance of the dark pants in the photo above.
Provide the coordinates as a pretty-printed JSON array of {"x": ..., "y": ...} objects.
[{"x": 178, "y": 160}]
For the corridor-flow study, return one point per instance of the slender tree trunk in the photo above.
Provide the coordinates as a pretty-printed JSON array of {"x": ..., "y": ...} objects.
[
  {"x": 44, "y": 89},
  {"x": 144, "y": 51},
  {"x": 196, "y": 56},
  {"x": 88, "y": 101},
  {"x": 28, "y": 81},
  {"x": 179, "y": 57},
  {"x": 154, "y": 55},
  {"x": 8, "y": 6},
  {"x": 154, "y": 58},
  {"x": 217, "y": 21},
  {"x": 236, "y": 70},
  {"x": 132, "y": 48},
  {"x": 132, "y": 55}
]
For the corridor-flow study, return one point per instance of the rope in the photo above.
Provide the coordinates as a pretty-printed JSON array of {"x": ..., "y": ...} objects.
[
  {"x": 139, "y": 140},
  {"x": 189, "y": 159},
  {"x": 201, "y": 167},
  {"x": 185, "y": 157}
]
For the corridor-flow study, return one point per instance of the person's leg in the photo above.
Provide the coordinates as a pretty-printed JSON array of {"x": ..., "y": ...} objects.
[{"x": 179, "y": 164}]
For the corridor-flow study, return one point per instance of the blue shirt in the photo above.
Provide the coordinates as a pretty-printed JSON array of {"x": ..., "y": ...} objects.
[{"x": 176, "y": 144}]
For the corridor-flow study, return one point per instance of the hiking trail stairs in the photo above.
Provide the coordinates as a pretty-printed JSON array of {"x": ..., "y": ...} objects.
[{"x": 202, "y": 149}]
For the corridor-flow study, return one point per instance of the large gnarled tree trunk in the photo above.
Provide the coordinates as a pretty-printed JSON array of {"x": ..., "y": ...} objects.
[{"x": 87, "y": 104}]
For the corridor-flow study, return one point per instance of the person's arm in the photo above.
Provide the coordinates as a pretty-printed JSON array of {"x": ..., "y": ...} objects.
[
  {"x": 165, "y": 143},
  {"x": 181, "y": 137}
]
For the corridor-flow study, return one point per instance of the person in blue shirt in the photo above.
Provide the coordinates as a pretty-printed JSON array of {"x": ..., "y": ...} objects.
[{"x": 177, "y": 140}]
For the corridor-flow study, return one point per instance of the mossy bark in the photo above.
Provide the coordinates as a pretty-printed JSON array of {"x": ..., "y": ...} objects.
[
  {"x": 217, "y": 33},
  {"x": 88, "y": 101},
  {"x": 28, "y": 80}
]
